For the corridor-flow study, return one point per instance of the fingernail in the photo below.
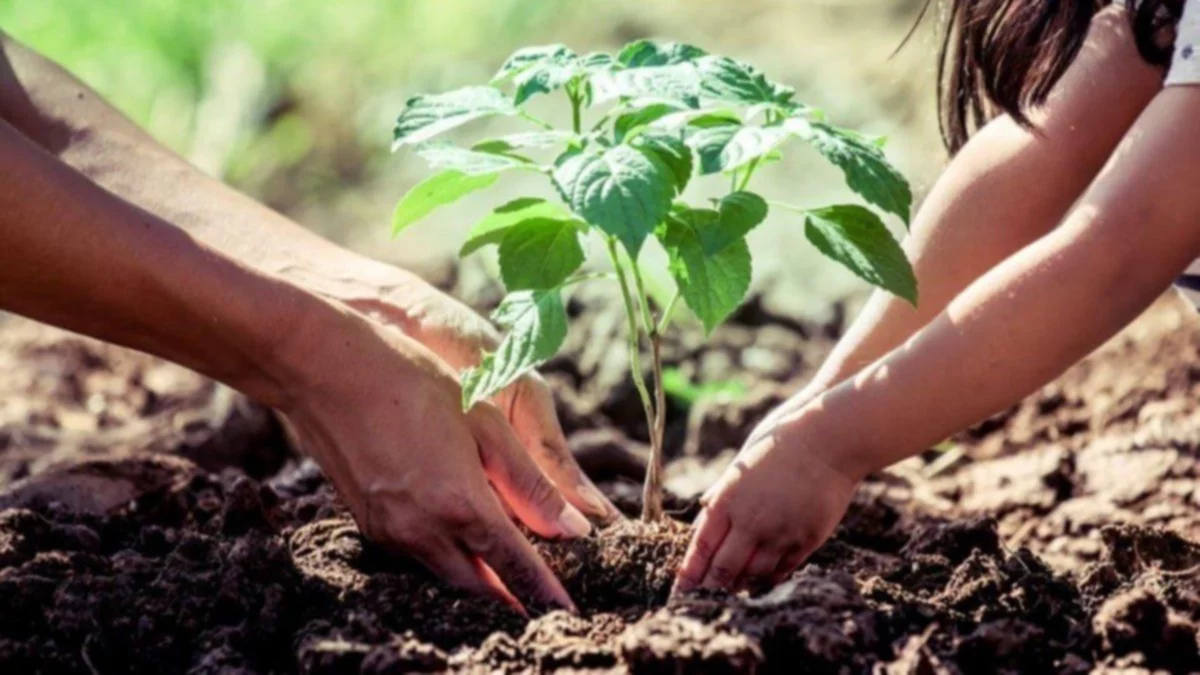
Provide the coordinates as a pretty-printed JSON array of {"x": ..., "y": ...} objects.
[
  {"x": 596, "y": 502},
  {"x": 572, "y": 522}
]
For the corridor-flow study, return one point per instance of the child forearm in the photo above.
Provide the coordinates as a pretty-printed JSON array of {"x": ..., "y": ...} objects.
[
  {"x": 1007, "y": 187},
  {"x": 1038, "y": 312}
]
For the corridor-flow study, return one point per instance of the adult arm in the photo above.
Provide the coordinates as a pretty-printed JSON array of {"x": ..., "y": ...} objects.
[
  {"x": 71, "y": 121},
  {"x": 77, "y": 256}
]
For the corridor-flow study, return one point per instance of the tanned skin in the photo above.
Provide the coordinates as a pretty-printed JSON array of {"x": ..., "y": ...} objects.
[{"x": 106, "y": 232}]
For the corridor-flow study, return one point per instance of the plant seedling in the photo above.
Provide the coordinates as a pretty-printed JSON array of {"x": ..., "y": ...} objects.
[{"x": 668, "y": 113}]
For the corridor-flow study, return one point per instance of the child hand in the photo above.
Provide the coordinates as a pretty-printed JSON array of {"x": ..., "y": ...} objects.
[{"x": 780, "y": 499}]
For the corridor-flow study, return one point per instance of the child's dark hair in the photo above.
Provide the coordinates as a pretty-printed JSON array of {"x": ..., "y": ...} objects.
[{"x": 1004, "y": 56}]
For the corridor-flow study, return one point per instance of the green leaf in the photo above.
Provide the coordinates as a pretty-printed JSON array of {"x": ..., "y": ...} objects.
[
  {"x": 539, "y": 253},
  {"x": 525, "y": 58},
  {"x": 546, "y": 76},
  {"x": 855, "y": 237},
  {"x": 437, "y": 190},
  {"x": 529, "y": 139},
  {"x": 537, "y": 326},
  {"x": 699, "y": 119},
  {"x": 713, "y": 283},
  {"x": 424, "y": 117},
  {"x": 646, "y": 53},
  {"x": 866, "y": 168},
  {"x": 725, "y": 147},
  {"x": 677, "y": 83},
  {"x": 494, "y": 226},
  {"x": 597, "y": 62},
  {"x": 678, "y": 386},
  {"x": 622, "y": 190},
  {"x": 737, "y": 214},
  {"x": 732, "y": 81},
  {"x": 442, "y": 155},
  {"x": 672, "y": 151},
  {"x": 628, "y": 124}
]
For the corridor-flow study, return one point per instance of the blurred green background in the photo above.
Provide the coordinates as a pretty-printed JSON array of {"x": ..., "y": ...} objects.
[{"x": 293, "y": 101}]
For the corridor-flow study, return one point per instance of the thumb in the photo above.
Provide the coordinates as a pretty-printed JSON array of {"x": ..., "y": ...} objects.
[
  {"x": 531, "y": 411},
  {"x": 519, "y": 481}
]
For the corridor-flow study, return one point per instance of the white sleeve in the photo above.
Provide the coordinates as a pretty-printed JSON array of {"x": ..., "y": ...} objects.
[{"x": 1185, "y": 64}]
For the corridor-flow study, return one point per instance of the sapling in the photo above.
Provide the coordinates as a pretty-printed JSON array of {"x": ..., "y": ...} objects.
[{"x": 658, "y": 115}]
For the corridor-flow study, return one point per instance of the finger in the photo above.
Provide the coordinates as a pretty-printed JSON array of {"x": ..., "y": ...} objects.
[
  {"x": 710, "y": 529},
  {"x": 729, "y": 560},
  {"x": 451, "y": 563},
  {"x": 505, "y": 506},
  {"x": 760, "y": 570},
  {"x": 536, "y": 501},
  {"x": 537, "y": 428},
  {"x": 788, "y": 564},
  {"x": 498, "y": 543}
]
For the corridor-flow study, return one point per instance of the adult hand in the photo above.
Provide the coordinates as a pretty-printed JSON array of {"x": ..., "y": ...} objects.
[
  {"x": 381, "y": 415},
  {"x": 398, "y": 299}
]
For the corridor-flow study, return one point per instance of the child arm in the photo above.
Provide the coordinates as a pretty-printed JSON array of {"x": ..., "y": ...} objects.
[
  {"x": 1007, "y": 187},
  {"x": 1014, "y": 329}
]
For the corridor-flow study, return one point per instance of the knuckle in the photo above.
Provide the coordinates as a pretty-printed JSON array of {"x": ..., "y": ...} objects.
[
  {"x": 541, "y": 491},
  {"x": 722, "y": 574},
  {"x": 721, "y": 502},
  {"x": 481, "y": 537},
  {"x": 457, "y": 512},
  {"x": 703, "y": 548}
]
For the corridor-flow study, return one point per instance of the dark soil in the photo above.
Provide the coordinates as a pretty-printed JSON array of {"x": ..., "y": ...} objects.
[{"x": 153, "y": 522}]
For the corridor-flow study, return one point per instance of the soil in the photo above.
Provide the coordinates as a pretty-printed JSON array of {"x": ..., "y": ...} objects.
[{"x": 152, "y": 522}]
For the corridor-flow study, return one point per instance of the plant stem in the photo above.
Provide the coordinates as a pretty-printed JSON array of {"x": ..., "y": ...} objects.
[
  {"x": 576, "y": 121},
  {"x": 748, "y": 173},
  {"x": 540, "y": 122},
  {"x": 635, "y": 367},
  {"x": 643, "y": 297},
  {"x": 665, "y": 320},
  {"x": 589, "y": 276},
  {"x": 652, "y": 490}
]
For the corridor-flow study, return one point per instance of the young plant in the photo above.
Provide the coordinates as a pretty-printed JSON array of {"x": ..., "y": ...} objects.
[{"x": 671, "y": 113}]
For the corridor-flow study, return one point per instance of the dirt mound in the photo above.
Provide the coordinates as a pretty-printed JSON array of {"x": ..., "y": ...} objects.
[{"x": 1060, "y": 536}]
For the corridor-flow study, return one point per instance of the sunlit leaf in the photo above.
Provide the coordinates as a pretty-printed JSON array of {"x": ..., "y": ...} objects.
[
  {"x": 622, "y": 190},
  {"x": 441, "y": 155},
  {"x": 437, "y": 190},
  {"x": 867, "y": 170},
  {"x": 712, "y": 283},
  {"x": 427, "y": 116},
  {"x": 855, "y": 237},
  {"x": 724, "y": 147},
  {"x": 732, "y": 81},
  {"x": 494, "y": 226},
  {"x": 539, "y": 253},
  {"x": 646, "y": 53},
  {"x": 537, "y": 326},
  {"x": 672, "y": 151}
]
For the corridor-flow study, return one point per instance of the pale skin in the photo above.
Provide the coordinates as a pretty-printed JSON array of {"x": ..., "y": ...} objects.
[
  {"x": 108, "y": 233},
  {"x": 1033, "y": 248}
]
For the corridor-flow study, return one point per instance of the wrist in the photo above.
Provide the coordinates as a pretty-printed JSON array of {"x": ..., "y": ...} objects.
[
  {"x": 279, "y": 343},
  {"x": 812, "y": 432}
]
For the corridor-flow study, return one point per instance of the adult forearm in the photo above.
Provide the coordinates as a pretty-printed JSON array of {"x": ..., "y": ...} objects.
[
  {"x": 76, "y": 256},
  {"x": 69, "y": 120}
]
